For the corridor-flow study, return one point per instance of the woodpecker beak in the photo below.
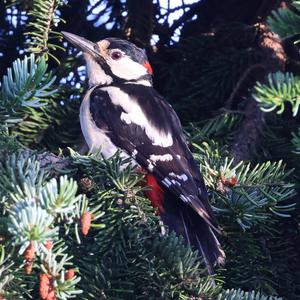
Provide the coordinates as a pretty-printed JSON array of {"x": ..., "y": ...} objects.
[{"x": 81, "y": 43}]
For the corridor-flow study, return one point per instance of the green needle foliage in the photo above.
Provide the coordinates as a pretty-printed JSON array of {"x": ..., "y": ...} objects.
[
  {"x": 282, "y": 88},
  {"x": 43, "y": 17},
  {"x": 296, "y": 141},
  {"x": 241, "y": 295},
  {"x": 32, "y": 223},
  {"x": 26, "y": 84},
  {"x": 286, "y": 21},
  {"x": 144, "y": 260}
]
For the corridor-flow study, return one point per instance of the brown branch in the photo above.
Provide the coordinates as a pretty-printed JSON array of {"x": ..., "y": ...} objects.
[
  {"x": 53, "y": 162},
  {"x": 49, "y": 24},
  {"x": 248, "y": 138}
]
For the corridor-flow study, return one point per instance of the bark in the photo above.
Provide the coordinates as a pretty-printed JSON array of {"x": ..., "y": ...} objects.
[
  {"x": 51, "y": 161},
  {"x": 249, "y": 136}
]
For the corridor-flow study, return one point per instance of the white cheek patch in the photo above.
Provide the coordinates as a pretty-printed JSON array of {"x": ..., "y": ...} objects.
[
  {"x": 134, "y": 115},
  {"x": 164, "y": 157},
  {"x": 126, "y": 68}
]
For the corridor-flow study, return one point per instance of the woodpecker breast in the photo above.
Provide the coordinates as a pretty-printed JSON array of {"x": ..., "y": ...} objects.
[{"x": 95, "y": 137}]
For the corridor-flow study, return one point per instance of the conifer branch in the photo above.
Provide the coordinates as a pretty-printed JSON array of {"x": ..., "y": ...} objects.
[
  {"x": 280, "y": 89},
  {"x": 241, "y": 295},
  {"x": 43, "y": 19},
  {"x": 26, "y": 85},
  {"x": 285, "y": 21},
  {"x": 248, "y": 194},
  {"x": 296, "y": 141},
  {"x": 37, "y": 211}
]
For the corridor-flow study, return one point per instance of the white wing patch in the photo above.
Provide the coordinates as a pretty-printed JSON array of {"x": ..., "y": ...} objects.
[
  {"x": 164, "y": 157},
  {"x": 150, "y": 166},
  {"x": 182, "y": 177},
  {"x": 134, "y": 153},
  {"x": 126, "y": 118},
  {"x": 134, "y": 114},
  {"x": 184, "y": 198},
  {"x": 175, "y": 182},
  {"x": 166, "y": 181}
]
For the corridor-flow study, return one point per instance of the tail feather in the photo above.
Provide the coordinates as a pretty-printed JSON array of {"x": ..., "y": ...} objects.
[{"x": 186, "y": 222}]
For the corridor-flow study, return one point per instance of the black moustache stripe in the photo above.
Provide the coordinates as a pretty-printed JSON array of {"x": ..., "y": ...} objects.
[{"x": 117, "y": 79}]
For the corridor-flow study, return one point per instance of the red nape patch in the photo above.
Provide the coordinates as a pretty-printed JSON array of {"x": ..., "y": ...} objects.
[
  {"x": 148, "y": 67},
  {"x": 156, "y": 194}
]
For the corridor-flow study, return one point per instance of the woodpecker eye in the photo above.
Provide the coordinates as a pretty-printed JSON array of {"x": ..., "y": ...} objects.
[{"x": 116, "y": 55}]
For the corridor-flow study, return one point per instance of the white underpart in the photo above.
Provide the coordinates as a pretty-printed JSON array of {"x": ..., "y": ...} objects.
[
  {"x": 134, "y": 114},
  {"x": 164, "y": 157},
  {"x": 95, "y": 73},
  {"x": 96, "y": 138},
  {"x": 182, "y": 177},
  {"x": 126, "y": 68}
]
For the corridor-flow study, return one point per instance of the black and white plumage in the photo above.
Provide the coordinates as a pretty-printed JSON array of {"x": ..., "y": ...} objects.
[{"x": 122, "y": 110}]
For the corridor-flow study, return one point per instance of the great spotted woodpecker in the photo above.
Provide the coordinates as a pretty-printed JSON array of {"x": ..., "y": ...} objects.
[{"x": 121, "y": 110}]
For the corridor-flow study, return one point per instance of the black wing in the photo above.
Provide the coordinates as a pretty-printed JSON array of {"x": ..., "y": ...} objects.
[{"x": 173, "y": 166}]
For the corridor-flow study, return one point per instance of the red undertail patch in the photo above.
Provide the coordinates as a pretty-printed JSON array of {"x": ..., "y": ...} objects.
[
  {"x": 148, "y": 67},
  {"x": 156, "y": 194}
]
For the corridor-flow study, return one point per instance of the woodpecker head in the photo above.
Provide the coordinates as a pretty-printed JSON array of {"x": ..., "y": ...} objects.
[{"x": 112, "y": 59}]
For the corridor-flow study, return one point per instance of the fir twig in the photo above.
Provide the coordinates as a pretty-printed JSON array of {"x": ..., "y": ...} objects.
[
  {"x": 26, "y": 85},
  {"x": 43, "y": 18}
]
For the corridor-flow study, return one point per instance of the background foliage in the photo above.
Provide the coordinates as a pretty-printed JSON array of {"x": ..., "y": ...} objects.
[{"x": 74, "y": 225}]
